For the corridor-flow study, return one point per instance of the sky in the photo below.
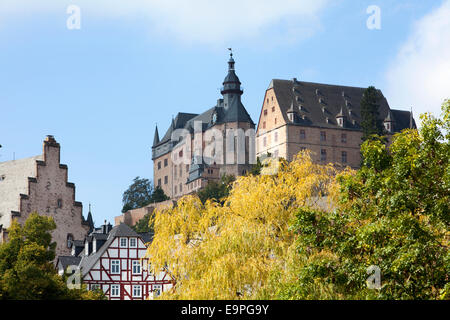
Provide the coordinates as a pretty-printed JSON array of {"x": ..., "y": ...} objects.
[{"x": 99, "y": 75}]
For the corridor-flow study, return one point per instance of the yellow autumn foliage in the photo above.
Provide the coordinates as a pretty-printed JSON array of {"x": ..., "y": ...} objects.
[{"x": 228, "y": 251}]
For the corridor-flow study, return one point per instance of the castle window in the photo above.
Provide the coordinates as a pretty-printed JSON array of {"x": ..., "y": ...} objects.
[
  {"x": 276, "y": 137},
  {"x": 275, "y": 120},
  {"x": 264, "y": 141},
  {"x": 137, "y": 291},
  {"x": 302, "y": 135},
  {"x": 3, "y": 177},
  {"x": 273, "y": 109},
  {"x": 323, "y": 155},
  {"x": 166, "y": 162},
  {"x": 175, "y": 171},
  {"x": 115, "y": 266},
  {"x": 275, "y": 154},
  {"x": 180, "y": 154},
  {"x": 115, "y": 290},
  {"x": 181, "y": 188},
  {"x": 187, "y": 168},
  {"x": 69, "y": 240},
  {"x": 136, "y": 267},
  {"x": 344, "y": 157},
  {"x": 176, "y": 190},
  {"x": 166, "y": 179},
  {"x": 159, "y": 165},
  {"x": 267, "y": 101},
  {"x": 265, "y": 112},
  {"x": 264, "y": 125},
  {"x": 59, "y": 203},
  {"x": 323, "y": 136},
  {"x": 159, "y": 182},
  {"x": 343, "y": 138}
]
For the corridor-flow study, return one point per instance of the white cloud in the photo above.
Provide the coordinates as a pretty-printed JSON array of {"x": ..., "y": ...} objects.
[
  {"x": 204, "y": 21},
  {"x": 419, "y": 76}
]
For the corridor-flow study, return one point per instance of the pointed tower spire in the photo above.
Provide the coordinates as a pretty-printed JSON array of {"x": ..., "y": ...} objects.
[
  {"x": 90, "y": 221},
  {"x": 156, "y": 136}
]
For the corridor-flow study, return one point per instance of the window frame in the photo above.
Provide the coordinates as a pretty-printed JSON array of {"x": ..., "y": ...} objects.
[
  {"x": 120, "y": 242},
  {"x": 135, "y": 242},
  {"x": 113, "y": 264},
  {"x": 140, "y": 291},
  {"x": 115, "y": 286},
  {"x": 136, "y": 263}
]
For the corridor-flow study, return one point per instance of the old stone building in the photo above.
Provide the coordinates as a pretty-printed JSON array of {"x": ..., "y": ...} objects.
[
  {"x": 39, "y": 184},
  {"x": 198, "y": 148},
  {"x": 325, "y": 119}
]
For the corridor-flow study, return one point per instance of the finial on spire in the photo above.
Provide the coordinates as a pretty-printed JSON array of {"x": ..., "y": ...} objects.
[{"x": 231, "y": 52}]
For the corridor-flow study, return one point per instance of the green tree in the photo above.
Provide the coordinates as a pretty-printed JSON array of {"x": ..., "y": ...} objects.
[
  {"x": 26, "y": 268},
  {"x": 370, "y": 104},
  {"x": 392, "y": 214},
  {"x": 217, "y": 190},
  {"x": 158, "y": 195},
  {"x": 138, "y": 194}
]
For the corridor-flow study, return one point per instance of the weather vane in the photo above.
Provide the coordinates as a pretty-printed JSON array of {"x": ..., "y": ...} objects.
[{"x": 231, "y": 52}]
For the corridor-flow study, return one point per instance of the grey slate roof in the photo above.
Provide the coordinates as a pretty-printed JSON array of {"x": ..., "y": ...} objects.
[
  {"x": 66, "y": 261},
  {"x": 321, "y": 101}
]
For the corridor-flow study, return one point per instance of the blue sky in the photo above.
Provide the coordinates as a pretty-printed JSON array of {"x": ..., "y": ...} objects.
[{"x": 101, "y": 89}]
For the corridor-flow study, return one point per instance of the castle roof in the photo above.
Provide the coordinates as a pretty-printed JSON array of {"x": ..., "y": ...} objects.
[{"x": 324, "y": 101}]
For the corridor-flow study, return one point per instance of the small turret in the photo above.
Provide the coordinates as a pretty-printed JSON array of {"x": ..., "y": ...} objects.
[
  {"x": 389, "y": 122},
  {"x": 156, "y": 136}
]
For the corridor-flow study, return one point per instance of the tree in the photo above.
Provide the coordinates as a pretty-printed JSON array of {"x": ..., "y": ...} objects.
[
  {"x": 393, "y": 215},
  {"x": 370, "y": 122},
  {"x": 158, "y": 195},
  {"x": 26, "y": 268},
  {"x": 227, "y": 251},
  {"x": 138, "y": 194},
  {"x": 144, "y": 224},
  {"x": 217, "y": 191}
]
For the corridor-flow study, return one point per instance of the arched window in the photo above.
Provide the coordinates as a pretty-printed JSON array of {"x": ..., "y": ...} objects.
[{"x": 69, "y": 240}]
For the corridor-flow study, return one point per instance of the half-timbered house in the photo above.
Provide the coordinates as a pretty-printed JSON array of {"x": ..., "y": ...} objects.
[{"x": 113, "y": 260}]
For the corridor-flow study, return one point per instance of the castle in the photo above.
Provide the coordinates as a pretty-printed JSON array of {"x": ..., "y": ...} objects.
[{"x": 198, "y": 148}]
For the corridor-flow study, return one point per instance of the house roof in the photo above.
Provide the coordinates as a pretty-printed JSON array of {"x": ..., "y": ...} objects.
[
  {"x": 320, "y": 102},
  {"x": 66, "y": 261},
  {"x": 122, "y": 230}
]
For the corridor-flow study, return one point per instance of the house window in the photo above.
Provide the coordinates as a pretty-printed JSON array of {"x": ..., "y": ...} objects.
[
  {"x": 276, "y": 137},
  {"x": 115, "y": 266},
  {"x": 323, "y": 155},
  {"x": 159, "y": 165},
  {"x": 123, "y": 242},
  {"x": 137, "y": 291},
  {"x": 267, "y": 101},
  {"x": 59, "y": 203},
  {"x": 343, "y": 138},
  {"x": 136, "y": 267},
  {"x": 264, "y": 141},
  {"x": 133, "y": 243},
  {"x": 273, "y": 109},
  {"x": 323, "y": 136},
  {"x": 166, "y": 162},
  {"x": 166, "y": 180},
  {"x": 95, "y": 286},
  {"x": 344, "y": 157},
  {"x": 302, "y": 134},
  {"x": 115, "y": 290},
  {"x": 157, "y": 288},
  {"x": 265, "y": 112}
]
